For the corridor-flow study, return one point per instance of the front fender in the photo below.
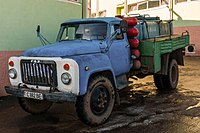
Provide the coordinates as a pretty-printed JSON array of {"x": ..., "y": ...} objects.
[{"x": 96, "y": 63}]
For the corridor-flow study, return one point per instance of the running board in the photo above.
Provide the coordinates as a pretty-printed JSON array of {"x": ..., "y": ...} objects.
[{"x": 122, "y": 82}]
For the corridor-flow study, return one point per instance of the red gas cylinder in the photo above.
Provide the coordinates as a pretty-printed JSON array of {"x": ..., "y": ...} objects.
[
  {"x": 136, "y": 53},
  {"x": 134, "y": 43},
  {"x": 132, "y": 21},
  {"x": 136, "y": 64},
  {"x": 132, "y": 32}
]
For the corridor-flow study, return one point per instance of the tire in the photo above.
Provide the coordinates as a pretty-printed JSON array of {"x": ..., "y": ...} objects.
[
  {"x": 95, "y": 107},
  {"x": 34, "y": 106},
  {"x": 159, "y": 81},
  {"x": 173, "y": 75},
  {"x": 169, "y": 81}
]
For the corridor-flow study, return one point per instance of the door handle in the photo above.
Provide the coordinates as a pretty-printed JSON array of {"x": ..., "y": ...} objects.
[{"x": 127, "y": 46}]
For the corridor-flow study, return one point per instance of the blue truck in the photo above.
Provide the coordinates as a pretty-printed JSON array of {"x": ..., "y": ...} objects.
[{"x": 91, "y": 60}]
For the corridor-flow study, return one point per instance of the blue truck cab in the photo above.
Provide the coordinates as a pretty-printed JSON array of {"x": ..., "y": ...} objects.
[{"x": 90, "y": 61}]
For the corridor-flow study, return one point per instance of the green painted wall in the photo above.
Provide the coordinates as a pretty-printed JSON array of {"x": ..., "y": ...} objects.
[
  {"x": 183, "y": 23},
  {"x": 19, "y": 19}
]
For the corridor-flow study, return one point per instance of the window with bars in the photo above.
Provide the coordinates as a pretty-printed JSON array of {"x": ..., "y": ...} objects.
[
  {"x": 164, "y": 2},
  {"x": 180, "y": 1},
  {"x": 132, "y": 7},
  {"x": 142, "y": 6},
  {"x": 154, "y": 3}
]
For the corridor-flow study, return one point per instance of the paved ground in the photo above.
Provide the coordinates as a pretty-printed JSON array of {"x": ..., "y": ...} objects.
[{"x": 142, "y": 109}]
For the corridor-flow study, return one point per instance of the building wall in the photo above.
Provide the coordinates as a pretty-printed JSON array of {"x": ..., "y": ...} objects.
[
  {"x": 182, "y": 11},
  {"x": 162, "y": 12},
  {"x": 19, "y": 19},
  {"x": 106, "y": 6},
  {"x": 193, "y": 27},
  {"x": 187, "y": 10}
]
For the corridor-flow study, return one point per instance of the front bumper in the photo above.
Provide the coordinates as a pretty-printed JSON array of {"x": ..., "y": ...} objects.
[{"x": 49, "y": 96}]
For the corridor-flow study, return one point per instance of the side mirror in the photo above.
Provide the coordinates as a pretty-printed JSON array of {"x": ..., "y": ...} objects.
[
  {"x": 117, "y": 32},
  {"x": 123, "y": 26},
  {"x": 38, "y": 30},
  {"x": 43, "y": 40}
]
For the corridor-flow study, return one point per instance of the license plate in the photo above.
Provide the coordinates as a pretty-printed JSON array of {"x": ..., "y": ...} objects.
[{"x": 34, "y": 95}]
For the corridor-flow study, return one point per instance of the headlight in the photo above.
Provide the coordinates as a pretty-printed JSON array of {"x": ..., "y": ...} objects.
[
  {"x": 66, "y": 78},
  {"x": 12, "y": 73}
]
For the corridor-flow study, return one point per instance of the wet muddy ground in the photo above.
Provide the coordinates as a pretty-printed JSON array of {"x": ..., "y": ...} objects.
[{"x": 142, "y": 109}]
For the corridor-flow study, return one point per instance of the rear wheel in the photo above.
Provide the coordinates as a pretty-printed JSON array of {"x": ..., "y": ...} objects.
[
  {"x": 95, "y": 107},
  {"x": 34, "y": 106},
  {"x": 159, "y": 81},
  {"x": 173, "y": 75},
  {"x": 169, "y": 81}
]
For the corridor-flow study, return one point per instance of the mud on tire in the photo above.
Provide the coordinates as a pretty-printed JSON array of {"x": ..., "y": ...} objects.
[
  {"x": 95, "y": 107},
  {"x": 34, "y": 106},
  {"x": 169, "y": 81}
]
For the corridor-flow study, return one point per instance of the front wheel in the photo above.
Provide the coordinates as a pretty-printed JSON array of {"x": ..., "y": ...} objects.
[
  {"x": 34, "y": 106},
  {"x": 95, "y": 107}
]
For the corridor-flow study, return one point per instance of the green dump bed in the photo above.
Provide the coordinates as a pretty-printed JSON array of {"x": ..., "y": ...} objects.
[{"x": 152, "y": 49}]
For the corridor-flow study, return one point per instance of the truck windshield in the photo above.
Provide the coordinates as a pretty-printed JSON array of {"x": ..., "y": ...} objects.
[{"x": 83, "y": 31}]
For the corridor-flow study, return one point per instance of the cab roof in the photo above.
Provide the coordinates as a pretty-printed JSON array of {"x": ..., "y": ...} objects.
[{"x": 103, "y": 19}]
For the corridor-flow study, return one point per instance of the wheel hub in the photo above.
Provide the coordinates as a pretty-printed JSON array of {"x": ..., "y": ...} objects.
[
  {"x": 174, "y": 74},
  {"x": 99, "y": 100}
]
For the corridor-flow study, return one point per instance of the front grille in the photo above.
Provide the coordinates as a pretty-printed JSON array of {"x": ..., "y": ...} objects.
[{"x": 39, "y": 72}]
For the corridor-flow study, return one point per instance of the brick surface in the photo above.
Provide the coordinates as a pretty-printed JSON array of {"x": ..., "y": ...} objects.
[
  {"x": 4, "y": 56},
  {"x": 194, "y": 37}
]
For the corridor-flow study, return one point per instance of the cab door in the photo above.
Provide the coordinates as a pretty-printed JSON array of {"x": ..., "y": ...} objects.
[{"x": 119, "y": 51}]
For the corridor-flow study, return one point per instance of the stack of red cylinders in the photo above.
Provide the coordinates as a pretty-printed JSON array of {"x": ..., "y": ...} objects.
[
  {"x": 132, "y": 33},
  {"x": 135, "y": 52},
  {"x": 132, "y": 21},
  {"x": 134, "y": 43},
  {"x": 136, "y": 64}
]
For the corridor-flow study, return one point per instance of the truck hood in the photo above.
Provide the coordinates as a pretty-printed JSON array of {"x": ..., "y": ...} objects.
[{"x": 65, "y": 49}]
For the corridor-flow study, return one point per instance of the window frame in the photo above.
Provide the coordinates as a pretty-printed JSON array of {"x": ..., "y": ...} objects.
[
  {"x": 139, "y": 4},
  {"x": 153, "y": 1},
  {"x": 113, "y": 24},
  {"x": 178, "y": 1}
]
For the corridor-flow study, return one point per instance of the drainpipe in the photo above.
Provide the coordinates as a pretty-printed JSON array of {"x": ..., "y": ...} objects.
[
  {"x": 89, "y": 8},
  {"x": 171, "y": 9},
  {"x": 82, "y": 4},
  {"x": 125, "y": 7}
]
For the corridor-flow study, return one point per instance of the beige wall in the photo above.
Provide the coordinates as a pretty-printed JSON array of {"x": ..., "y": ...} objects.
[
  {"x": 182, "y": 11},
  {"x": 188, "y": 11},
  {"x": 185, "y": 10},
  {"x": 108, "y": 5}
]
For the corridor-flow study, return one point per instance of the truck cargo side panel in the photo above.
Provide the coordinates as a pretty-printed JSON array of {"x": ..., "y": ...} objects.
[{"x": 154, "y": 48}]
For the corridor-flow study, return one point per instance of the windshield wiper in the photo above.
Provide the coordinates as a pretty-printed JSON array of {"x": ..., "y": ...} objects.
[
  {"x": 64, "y": 40},
  {"x": 85, "y": 39},
  {"x": 75, "y": 39}
]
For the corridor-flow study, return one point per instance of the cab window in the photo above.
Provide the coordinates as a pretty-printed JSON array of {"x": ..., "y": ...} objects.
[{"x": 113, "y": 29}]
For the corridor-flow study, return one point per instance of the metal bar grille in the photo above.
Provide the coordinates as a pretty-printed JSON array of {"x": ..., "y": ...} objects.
[{"x": 39, "y": 72}]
